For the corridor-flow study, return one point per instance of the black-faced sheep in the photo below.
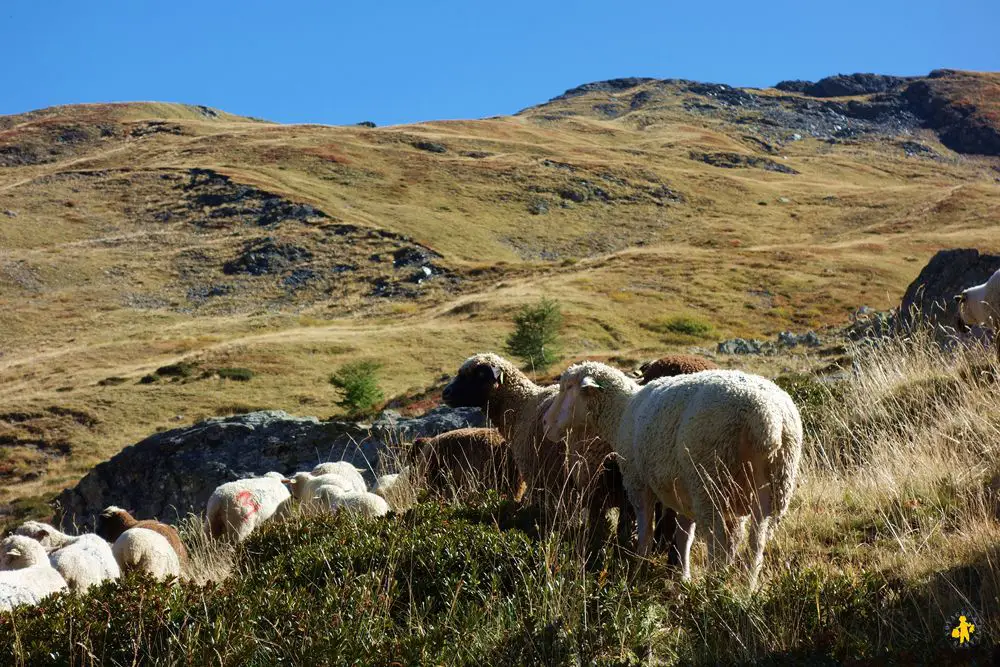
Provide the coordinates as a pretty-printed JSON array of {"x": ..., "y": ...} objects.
[{"x": 515, "y": 406}]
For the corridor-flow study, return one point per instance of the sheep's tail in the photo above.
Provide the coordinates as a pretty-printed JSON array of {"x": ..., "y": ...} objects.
[{"x": 784, "y": 456}]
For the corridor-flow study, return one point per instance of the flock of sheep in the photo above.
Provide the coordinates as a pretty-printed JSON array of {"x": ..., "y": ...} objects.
[
  {"x": 683, "y": 441},
  {"x": 38, "y": 559}
]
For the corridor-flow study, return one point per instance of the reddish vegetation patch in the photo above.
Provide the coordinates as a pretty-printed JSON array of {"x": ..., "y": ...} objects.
[{"x": 328, "y": 152}]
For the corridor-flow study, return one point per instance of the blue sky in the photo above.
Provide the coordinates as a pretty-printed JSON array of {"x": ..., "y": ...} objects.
[{"x": 334, "y": 61}]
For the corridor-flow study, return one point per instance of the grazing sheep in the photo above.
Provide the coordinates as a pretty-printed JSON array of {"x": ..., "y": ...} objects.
[
  {"x": 26, "y": 576},
  {"x": 397, "y": 489},
  {"x": 114, "y": 521},
  {"x": 357, "y": 504},
  {"x": 980, "y": 306},
  {"x": 83, "y": 560},
  {"x": 717, "y": 446},
  {"x": 235, "y": 509},
  {"x": 515, "y": 406},
  {"x": 671, "y": 365},
  {"x": 467, "y": 457},
  {"x": 304, "y": 485},
  {"x": 346, "y": 470},
  {"x": 146, "y": 550}
]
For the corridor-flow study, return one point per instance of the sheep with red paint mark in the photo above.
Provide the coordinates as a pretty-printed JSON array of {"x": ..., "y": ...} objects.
[{"x": 236, "y": 509}]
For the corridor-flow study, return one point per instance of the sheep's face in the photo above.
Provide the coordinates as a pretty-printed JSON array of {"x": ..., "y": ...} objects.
[
  {"x": 298, "y": 483},
  {"x": 18, "y": 551},
  {"x": 112, "y": 523},
  {"x": 571, "y": 409},
  {"x": 475, "y": 382},
  {"x": 971, "y": 307},
  {"x": 36, "y": 531}
]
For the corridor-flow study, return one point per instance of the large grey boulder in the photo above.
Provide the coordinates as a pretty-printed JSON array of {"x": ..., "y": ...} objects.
[
  {"x": 931, "y": 295},
  {"x": 172, "y": 473}
]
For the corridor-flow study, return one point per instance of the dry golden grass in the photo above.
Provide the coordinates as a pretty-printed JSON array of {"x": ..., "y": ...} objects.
[{"x": 96, "y": 283}]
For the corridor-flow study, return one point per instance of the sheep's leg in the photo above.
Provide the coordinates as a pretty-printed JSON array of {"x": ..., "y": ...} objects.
[
  {"x": 760, "y": 528},
  {"x": 644, "y": 520},
  {"x": 725, "y": 536},
  {"x": 626, "y": 518},
  {"x": 683, "y": 539}
]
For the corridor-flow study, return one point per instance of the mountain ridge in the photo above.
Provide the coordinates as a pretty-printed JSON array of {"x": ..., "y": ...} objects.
[{"x": 133, "y": 241}]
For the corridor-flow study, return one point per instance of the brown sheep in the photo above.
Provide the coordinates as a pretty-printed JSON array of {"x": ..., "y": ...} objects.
[
  {"x": 515, "y": 406},
  {"x": 671, "y": 365},
  {"x": 114, "y": 521},
  {"x": 467, "y": 457}
]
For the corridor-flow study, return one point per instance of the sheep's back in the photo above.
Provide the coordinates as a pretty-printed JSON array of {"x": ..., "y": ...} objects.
[{"x": 671, "y": 421}]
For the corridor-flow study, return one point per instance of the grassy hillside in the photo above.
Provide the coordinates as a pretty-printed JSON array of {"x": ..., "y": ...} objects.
[
  {"x": 890, "y": 536},
  {"x": 134, "y": 236}
]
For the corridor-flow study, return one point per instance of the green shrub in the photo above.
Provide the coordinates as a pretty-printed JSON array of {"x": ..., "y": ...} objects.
[
  {"x": 536, "y": 333},
  {"x": 148, "y": 379},
  {"x": 111, "y": 381},
  {"x": 238, "y": 374},
  {"x": 358, "y": 382},
  {"x": 441, "y": 585},
  {"x": 682, "y": 326},
  {"x": 181, "y": 369}
]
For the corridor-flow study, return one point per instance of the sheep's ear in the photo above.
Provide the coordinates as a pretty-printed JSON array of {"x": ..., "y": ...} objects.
[
  {"x": 589, "y": 383},
  {"x": 497, "y": 374},
  {"x": 14, "y": 551}
]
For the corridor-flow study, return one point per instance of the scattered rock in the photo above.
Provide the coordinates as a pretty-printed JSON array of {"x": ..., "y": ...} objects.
[
  {"x": 743, "y": 346},
  {"x": 170, "y": 474},
  {"x": 208, "y": 291},
  {"x": 538, "y": 207},
  {"x": 477, "y": 154},
  {"x": 740, "y": 161},
  {"x": 846, "y": 85},
  {"x": 787, "y": 339},
  {"x": 298, "y": 278},
  {"x": 214, "y": 200},
  {"x": 916, "y": 149},
  {"x": 610, "y": 86},
  {"x": 9, "y": 213},
  {"x": 430, "y": 146},
  {"x": 573, "y": 195},
  {"x": 265, "y": 256},
  {"x": 412, "y": 255}
]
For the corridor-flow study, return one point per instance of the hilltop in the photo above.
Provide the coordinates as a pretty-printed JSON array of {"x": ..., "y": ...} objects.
[{"x": 139, "y": 236}]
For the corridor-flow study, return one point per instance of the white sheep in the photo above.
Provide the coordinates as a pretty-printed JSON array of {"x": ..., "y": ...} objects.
[
  {"x": 357, "y": 504},
  {"x": 236, "y": 508},
  {"x": 717, "y": 446},
  {"x": 346, "y": 469},
  {"x": 146, "y": 550},
  {"x": 303, "y": 485},
  {"x": 26, "y": 576},
  {"x": 980, "y": 305},
  {"x": 397, "y": 489},
  {"x": 82, "y": 560}
]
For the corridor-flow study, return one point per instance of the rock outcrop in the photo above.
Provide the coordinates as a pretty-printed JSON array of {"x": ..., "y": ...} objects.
[
  {"x": 931, "y": 295},
  {"x": 172, "y": 473}
]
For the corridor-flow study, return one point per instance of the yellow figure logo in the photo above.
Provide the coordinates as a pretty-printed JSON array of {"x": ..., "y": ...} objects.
[{"x": 964, "y": 631}]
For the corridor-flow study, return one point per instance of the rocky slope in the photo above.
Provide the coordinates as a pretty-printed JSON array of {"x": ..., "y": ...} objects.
[{"x": 135, "y": 237}]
